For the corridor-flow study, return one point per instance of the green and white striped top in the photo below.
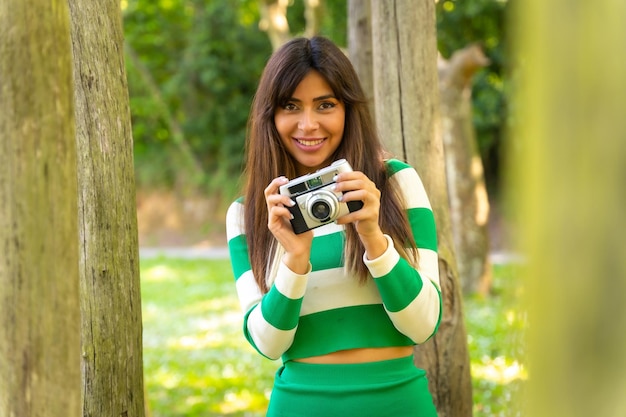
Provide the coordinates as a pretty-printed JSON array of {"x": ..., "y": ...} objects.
[{"x": 328, "y": 309}]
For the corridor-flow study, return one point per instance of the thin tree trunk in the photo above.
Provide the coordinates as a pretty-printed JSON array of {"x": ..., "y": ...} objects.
[
  {"x": 109, "y": 260},
  {"x": 407, "y": 103},
  {"x": 469, "y": 204},
  {"x": 274, "y": 21},
  {"x": 313, "y": 12},
  {"x": 39, "y": 291}
]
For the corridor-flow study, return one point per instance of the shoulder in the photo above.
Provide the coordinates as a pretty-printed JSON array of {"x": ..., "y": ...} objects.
[
  {"x": 401, "y": 171},
  {"x": 395, "y": 165},
  {"x": 408, "y": 182},
  {"x": 235, "y": 206},
  {"x": 234, "y": 218}
]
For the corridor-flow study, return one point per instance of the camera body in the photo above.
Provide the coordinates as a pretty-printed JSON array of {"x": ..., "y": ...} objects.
[{"x": 316, "y": 202}]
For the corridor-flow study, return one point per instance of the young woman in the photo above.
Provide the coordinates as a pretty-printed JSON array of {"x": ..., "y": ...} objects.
[{"x": 344, "y": 303}]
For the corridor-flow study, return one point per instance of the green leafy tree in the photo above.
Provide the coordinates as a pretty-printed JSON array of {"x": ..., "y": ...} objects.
[
  {"x": 193, "y": 67},
  {"x": 193, "y": 70},
  {"x": 333, "y": 19}
]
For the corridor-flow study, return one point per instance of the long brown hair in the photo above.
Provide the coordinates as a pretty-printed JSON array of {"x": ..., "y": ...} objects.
[{"x": 268, "y": 159}]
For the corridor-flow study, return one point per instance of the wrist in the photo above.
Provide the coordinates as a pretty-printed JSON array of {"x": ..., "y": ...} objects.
[
  {"x": 375, "y": 244},
  {"x": 384, "y": 263},
  {"x": 298, "y": 263}
]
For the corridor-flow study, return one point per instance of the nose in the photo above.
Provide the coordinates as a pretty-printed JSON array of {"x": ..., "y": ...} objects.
[{"x": 308, "y": 121}]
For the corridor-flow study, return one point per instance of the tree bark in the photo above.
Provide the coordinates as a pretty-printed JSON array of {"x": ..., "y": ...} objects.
[
  {"x": 39, "y": 290},
  {"x": 469, "y": 205},
  {"x": 109, "y": 257},
  {"x": 407, "y": 114},
  {"x": 360, "y": 45}
]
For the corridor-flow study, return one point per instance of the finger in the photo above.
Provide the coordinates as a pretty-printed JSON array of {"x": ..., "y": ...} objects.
[
  {"x": 273, "y": 186},
  {"x": 279, "y": 200},
  {"x": 350, "y": 175},
  {"x": 344, "y": 177},
  {"x": 351, "y": 185},
  {"x": 366, "y": 196},
  {"x": 366, "y": 214},
  {"x": 353, "y": 181},
  {"x": 277, "y": 212}
]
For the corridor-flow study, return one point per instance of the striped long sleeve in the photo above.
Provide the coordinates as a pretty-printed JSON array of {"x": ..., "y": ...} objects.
[{"x": 270, "y": 320}]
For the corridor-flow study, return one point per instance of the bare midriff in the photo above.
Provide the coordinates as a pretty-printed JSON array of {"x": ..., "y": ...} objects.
[{"x": 360, "y": 355}]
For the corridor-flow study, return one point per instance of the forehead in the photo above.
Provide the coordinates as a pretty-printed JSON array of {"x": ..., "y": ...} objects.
[{"x": 312, "y": 85}]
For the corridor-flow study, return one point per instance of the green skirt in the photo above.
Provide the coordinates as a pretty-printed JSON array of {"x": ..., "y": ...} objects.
[{"x": 394, "y": 388}]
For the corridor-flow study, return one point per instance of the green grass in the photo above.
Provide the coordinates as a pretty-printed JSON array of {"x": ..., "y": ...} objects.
[
  {"x": 495, "y": 327},
  {"x": 198, "y": 364}
]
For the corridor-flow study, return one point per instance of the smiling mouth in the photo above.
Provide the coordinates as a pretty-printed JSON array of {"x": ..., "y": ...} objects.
[{"x": 309, "y": 142}]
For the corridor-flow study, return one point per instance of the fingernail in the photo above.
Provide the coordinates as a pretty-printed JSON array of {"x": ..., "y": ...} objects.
[
  {"x": 335, "y": 177},
  {"x": 291, "y": 203}
]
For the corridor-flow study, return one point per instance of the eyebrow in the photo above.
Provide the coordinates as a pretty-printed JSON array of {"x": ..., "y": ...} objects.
[{"x": 320, "y": 98}]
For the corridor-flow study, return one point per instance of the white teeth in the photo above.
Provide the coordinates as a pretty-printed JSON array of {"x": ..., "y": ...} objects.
[{"x": 310, "y": 142}]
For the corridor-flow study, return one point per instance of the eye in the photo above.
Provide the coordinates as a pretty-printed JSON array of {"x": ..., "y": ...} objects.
[
  {"x": 326, "y": 105},
  {"x": 290, "y": 107}
]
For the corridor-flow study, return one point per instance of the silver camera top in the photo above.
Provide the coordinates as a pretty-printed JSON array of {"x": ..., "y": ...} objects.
[{"x": 317, "y": 179}]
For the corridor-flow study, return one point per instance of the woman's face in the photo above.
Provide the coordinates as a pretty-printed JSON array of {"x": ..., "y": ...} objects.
[{"x": 311, "y": 124}]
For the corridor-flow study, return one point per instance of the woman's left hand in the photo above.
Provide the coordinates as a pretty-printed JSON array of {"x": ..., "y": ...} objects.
[{"x": 356, "y": 186}]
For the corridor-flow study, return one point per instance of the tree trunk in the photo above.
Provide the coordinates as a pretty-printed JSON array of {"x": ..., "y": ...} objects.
[
  {"x": 469, "y": 205},
  {"x": 109, "y": 260},
  {"x": 569, "y": 192},
  {"x": 274, "y": 20},
  {"x": 39, "y": 291},
  {"x": 407, "y": 103},
  {"x": 360, "y": 45},
  {"x": 313, "y": 12}
]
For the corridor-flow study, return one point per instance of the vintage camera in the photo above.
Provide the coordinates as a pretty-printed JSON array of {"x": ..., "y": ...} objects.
[{"x": 316, "y": 202}]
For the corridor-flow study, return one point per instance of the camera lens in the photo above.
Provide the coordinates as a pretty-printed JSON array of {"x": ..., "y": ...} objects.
[{"x": 320, "y": 210}]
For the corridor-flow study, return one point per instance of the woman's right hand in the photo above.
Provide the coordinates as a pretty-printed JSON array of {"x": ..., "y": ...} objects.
[{"x": 297, "y": 246}]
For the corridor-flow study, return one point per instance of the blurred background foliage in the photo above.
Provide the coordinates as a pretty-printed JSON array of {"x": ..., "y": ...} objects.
[
  {"x": 459, "y": 23},
  {"x": 193, "y": 67}
]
